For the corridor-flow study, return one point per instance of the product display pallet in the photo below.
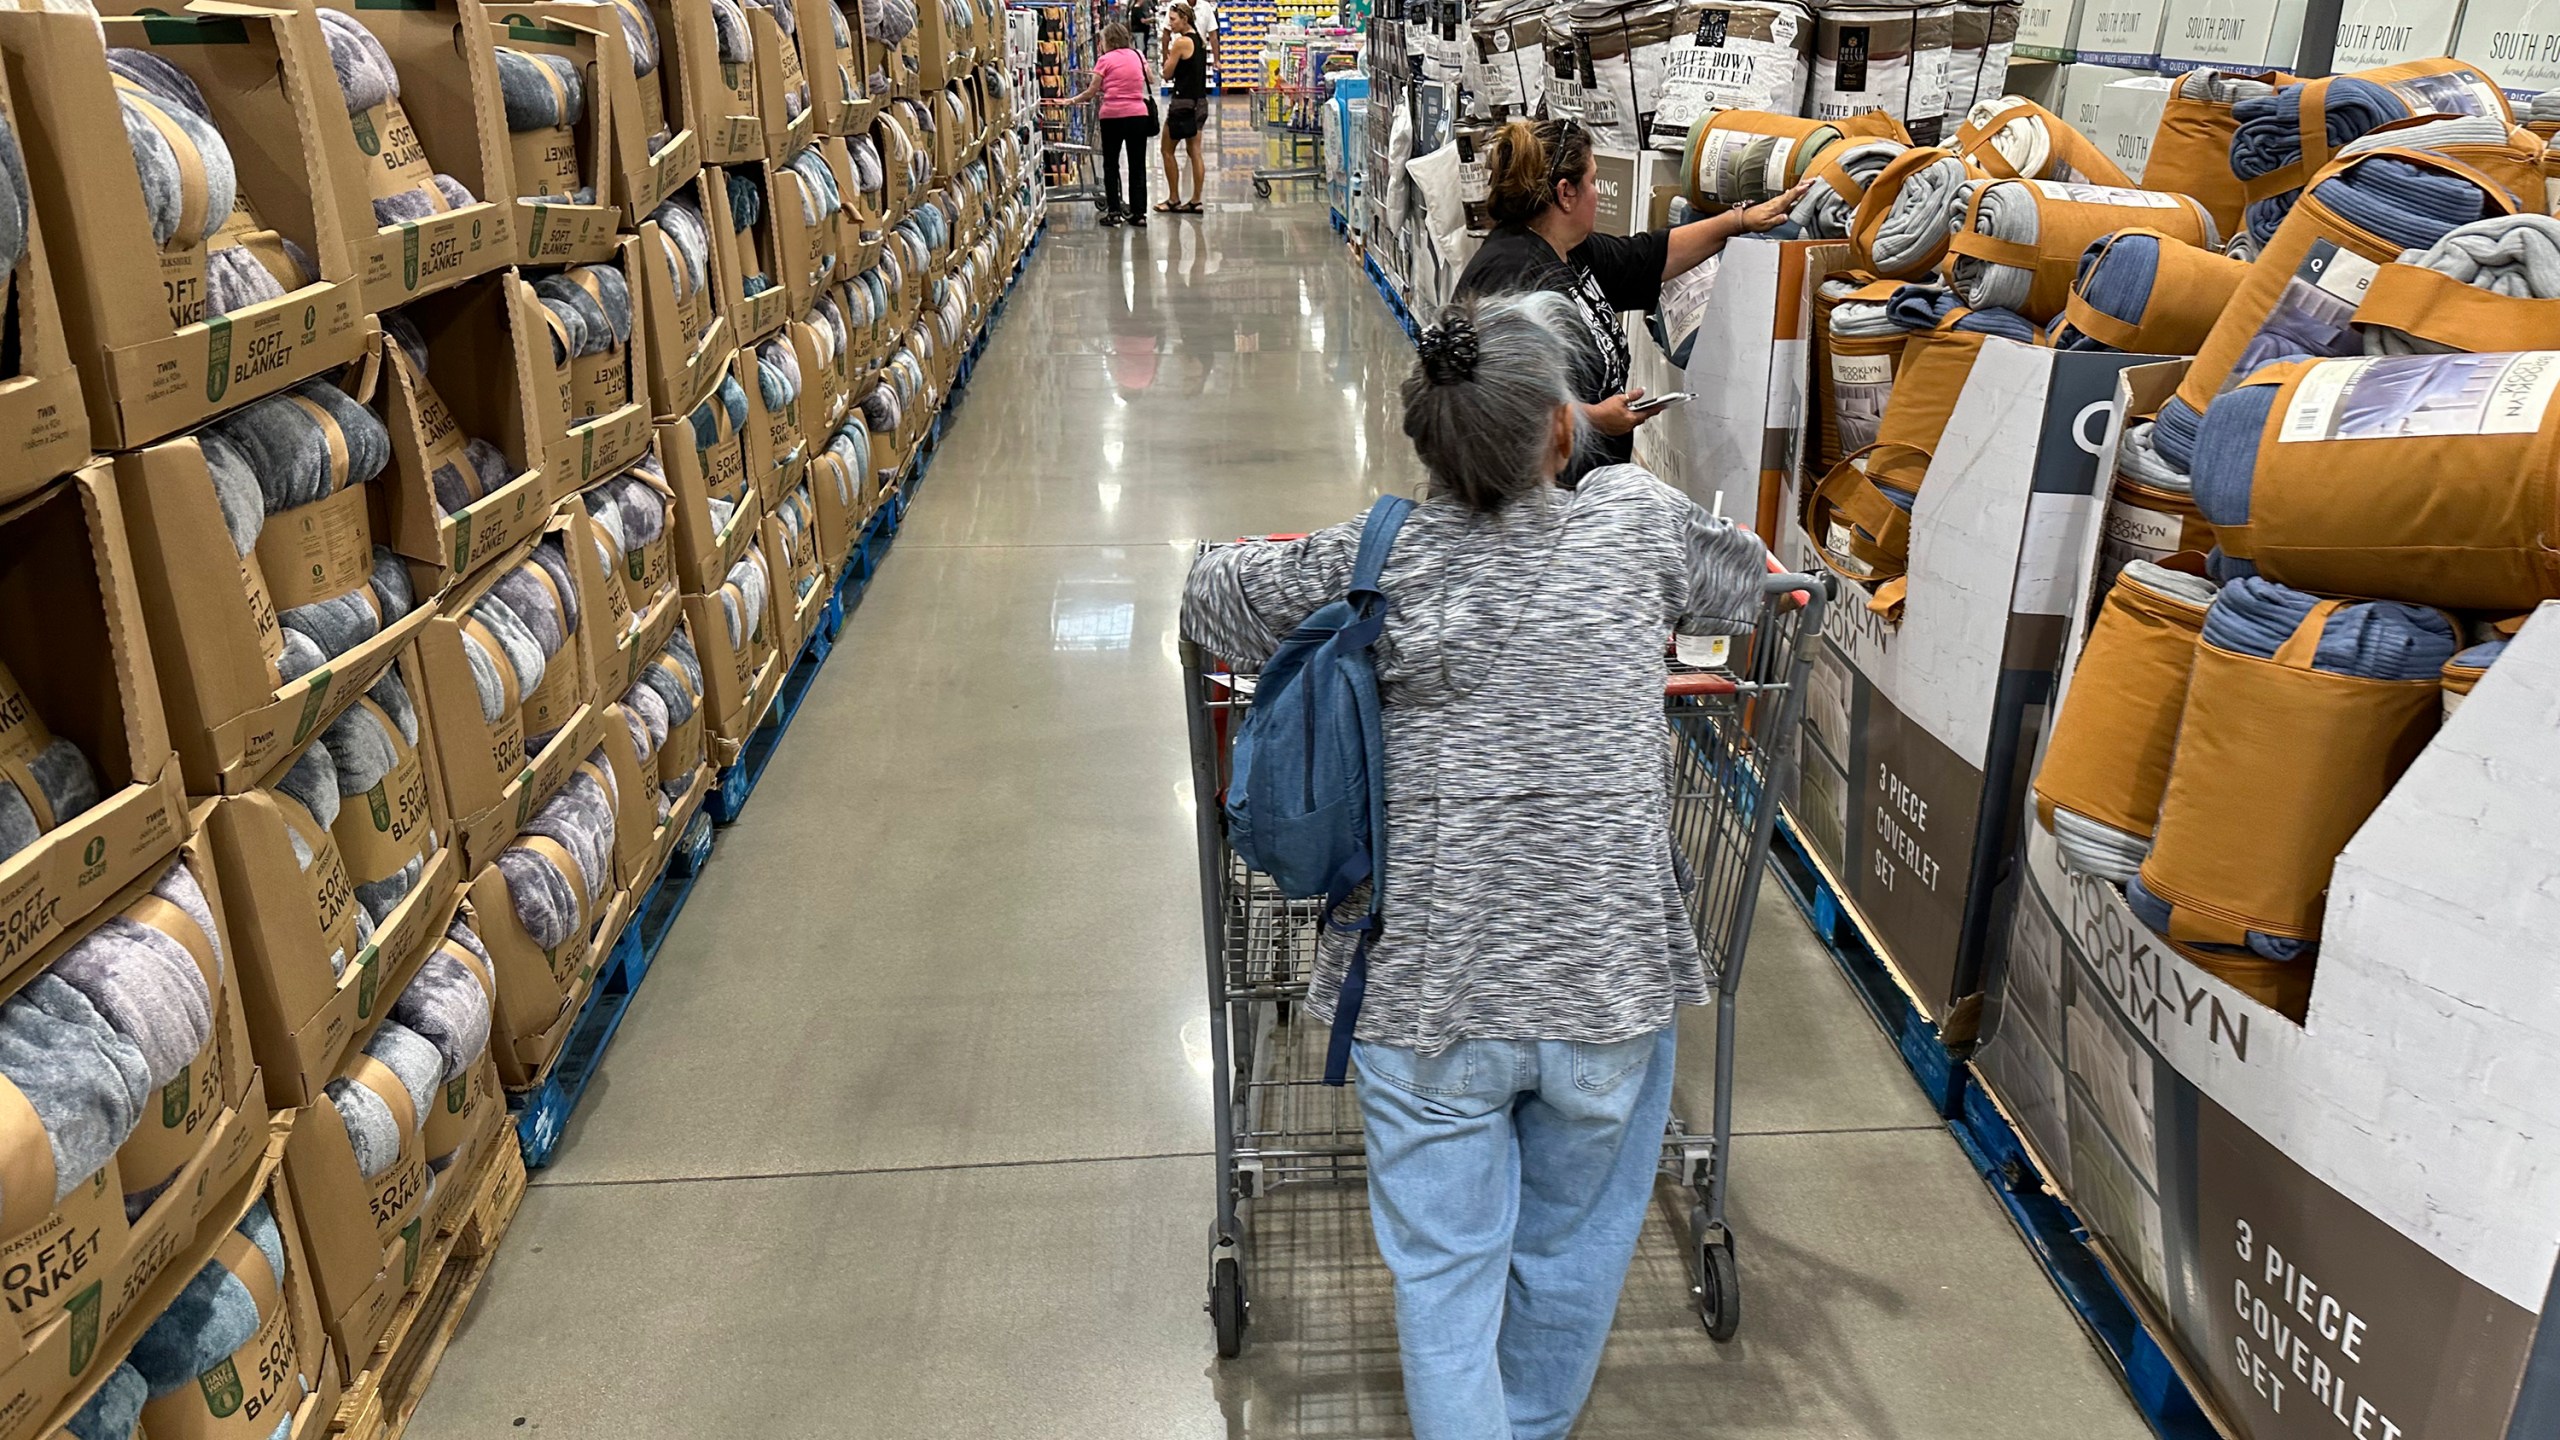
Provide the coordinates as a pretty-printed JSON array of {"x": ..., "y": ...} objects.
[
  {"x": 2052, "y": 1232},
  {"x": 379, "y": 1404},
  {"x": 1387, "y": 292},
  {"x": 543, "y": 1112}
]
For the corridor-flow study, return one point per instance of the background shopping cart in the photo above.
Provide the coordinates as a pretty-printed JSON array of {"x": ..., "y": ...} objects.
[{"x": 1734, "y": 732}]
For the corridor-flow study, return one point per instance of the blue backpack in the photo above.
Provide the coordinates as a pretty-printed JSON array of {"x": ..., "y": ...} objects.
[{"x": 1307, "y": 790}]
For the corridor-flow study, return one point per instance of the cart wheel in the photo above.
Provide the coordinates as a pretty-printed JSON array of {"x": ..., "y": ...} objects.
[
  {"x": 1226, "y": 1308},
  {"x": 1719, "y": 1290},
  {"x": 1262, "y": 187}
]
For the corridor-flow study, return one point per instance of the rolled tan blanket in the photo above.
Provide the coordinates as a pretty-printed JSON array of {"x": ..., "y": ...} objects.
[{"x": 2018, "y": 243}]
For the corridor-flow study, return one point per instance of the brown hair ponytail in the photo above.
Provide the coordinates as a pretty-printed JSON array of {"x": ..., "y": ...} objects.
[{"x": 1524, "y": 162}]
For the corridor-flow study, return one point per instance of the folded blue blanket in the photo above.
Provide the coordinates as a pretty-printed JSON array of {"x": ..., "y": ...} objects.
[
  {"x": 2398, "y": 201},
  {"x": 1925, "y": 307},
  {"x": 2114, "y": 279},
  {"x": 2269, "y": 136}
]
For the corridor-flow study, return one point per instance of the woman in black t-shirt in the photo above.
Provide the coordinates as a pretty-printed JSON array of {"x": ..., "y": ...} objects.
[
  {"x": 1186, "y": 65},
  {"x": 1545, "y": 199}
]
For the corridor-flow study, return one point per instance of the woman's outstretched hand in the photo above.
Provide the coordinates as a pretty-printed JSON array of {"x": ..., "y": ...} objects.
[
  {"x": 1613, "y": 415},
  {"x": 1771, "y": 213}
]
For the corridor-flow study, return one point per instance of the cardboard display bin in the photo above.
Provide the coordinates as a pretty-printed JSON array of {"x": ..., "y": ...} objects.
[
  {"x": 579, "y": 447},
  {"x": 719, "y": 95},
  {"x": 82, "y": 1262},
  {"x": 551, "y": 165},
  {"x": 778, "y": 72},
  {"x": 540, "y": 991},
  {"x": 737, "y": 254},
  {"x": 292, "y": 922},
  {"x": 477, "y": 385},
  {"x": 689, "y": 332},
  {"x": 211, "y": 626},
  {"x": 248, "y": 1392},
  {"x": 776, "y": 437},
  {"x": 150, "y": 361},
  {"x": 653, "y": 149},
  {"x": 44, "y": 423},
  {"x": 490, "y": 779},
  {"x": 72, "y": 638},
  {"x": 704, "y": 551}
]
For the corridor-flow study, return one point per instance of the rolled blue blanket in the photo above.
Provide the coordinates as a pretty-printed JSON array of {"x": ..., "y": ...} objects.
[
  {"x": 2226, "y": 452},
  {"x": 2403, "y": 204},
  {"x": 729, "y": 27},
  {"x": 116, "y": 1410},
  {"x": 2269, "y": 136},
  {"x": 686, "y": 243},
  {"x": 372, "y": 1126},
  {"x": 2115, "y": 279},
  {"x": 86, "y": 1082},
  {"x": 171, "y": 133},
  {"x": 728, "y": 402},
  {"x": 1926, "y": 307},
  {"x": 306, "y": 444},
  {"x": 67, "y": 785},
  {"x": 547, "y": 901},
  {"x": 446, "y": 1005},
  {"x": 541, "y": 91},
  {"x": 215, "y": 1315}
]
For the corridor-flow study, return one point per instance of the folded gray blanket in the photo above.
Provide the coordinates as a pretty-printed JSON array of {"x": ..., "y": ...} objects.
[
  {"x": 66, "y": 786},
  {"x": 519, "y": 651},
  {"x": 729, "y": 27},
  {"x": 594, "y": 306},
  {"x": 2517, "y": 256},
  {"x": 86, "y": 1081},
  {"x": 541, "y": 91}
]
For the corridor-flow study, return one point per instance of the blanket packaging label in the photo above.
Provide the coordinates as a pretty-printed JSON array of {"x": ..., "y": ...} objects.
[
  {"x": 2078, "y": 193},
  {"x": 2046, "y": 29},
  {"x": 2407, "y": 395},
  {"x": 1747, "y": 58},
  {"x": 2128, "y": 116},
  {"x": 383, "y": 829},
  {"x": 2120, "y": 32},
  {"x": 182, "y": 276},
  {"x": 2311, "y": 315},
  {"x": 2516, "y": 41},
  {"x": 318, "y": 551},
  {"x": 2243, "y": 34},
  {"x": 2374, "y": 33},
  {"x": 1860, "y": 386},
  {"x": 546, "y": 160},
  {"x": 244, "y": 1395},
  {"x": 599, "y": 384},
  {"x": 2138, "y": 532},
  {"x": 390, "y": 142}
]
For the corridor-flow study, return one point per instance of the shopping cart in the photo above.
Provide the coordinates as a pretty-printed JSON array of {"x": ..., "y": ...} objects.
[
  {"x": 1734, "y": 733},
  {"x": 1293, "y": 119}
]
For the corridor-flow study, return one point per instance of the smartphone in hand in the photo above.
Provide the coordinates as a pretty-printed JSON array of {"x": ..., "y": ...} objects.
[{"x": 1651, "y": 403}]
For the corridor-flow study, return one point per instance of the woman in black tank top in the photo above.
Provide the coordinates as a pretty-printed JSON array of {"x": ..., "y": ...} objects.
[{"x": 1186, "y": 63}]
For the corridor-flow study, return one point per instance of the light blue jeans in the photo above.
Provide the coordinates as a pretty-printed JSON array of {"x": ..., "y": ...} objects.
[{"x": 1507, "y": 1182}]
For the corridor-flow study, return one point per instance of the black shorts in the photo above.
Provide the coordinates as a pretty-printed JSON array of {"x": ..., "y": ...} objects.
[{"x": 1183, "y": 118}]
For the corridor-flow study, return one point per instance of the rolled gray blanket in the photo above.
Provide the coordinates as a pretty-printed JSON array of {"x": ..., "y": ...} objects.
[
  {"x": 541, "y": 91},
  {"x": 210, "y": 1319},
  {"x": 67, "y": 784},
  {"x": 867, "y": 173},
  {"x": 1923, "y": 214},
  {"x": 373, "y": 1128},
  {"x": 594, "y": 305},
  {"x": 2221, "y": 87},
  {"x": 2544, "y": 108},
  {"x": 821, "y": 197},
  {"x": 86, "y": 1082},
  {"x": 686, "y": 243},
  {"x": 291, "y": 443},
  {"x": 889, "y": 21},
  {"x": 729, "y": 27},
  {"x": 2138, "y": 456},
  {"x": 336, "y": 626},
  {"x": 189, "y": 184},
  {"x": 743, "y": 595},
  {"x": 446, "y": 1005},
  {"x": 529, "y": 592},
  {"x": 522, "y": 653},
  {"x": 115, "y": 1412},
  {"x": 778, "y": 374},
  {"x": 2517, "y": 256},
  {"x": 2437, "y": 134},
  {"x": 1823, "y": 211},
  {"x": 579, "y": 819}
]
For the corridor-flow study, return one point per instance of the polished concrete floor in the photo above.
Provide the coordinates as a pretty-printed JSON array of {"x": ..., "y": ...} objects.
[{"x": 906, "y": 1136}]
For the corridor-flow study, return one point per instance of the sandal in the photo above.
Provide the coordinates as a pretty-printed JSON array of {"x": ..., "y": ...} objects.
[
  {"x": 1168, "y": 207},
  {"x": 1188, "y": 207}
]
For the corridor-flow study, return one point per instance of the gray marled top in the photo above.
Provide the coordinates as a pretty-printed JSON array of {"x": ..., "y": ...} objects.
[{"x": 1529, "y": 884}]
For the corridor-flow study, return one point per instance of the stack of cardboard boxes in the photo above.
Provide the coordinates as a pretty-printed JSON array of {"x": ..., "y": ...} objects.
[{"x": 275, "y": 485}]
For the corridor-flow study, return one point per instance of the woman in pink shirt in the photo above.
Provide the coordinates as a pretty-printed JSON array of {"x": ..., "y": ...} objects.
[{"x": 1120, "y": 78}]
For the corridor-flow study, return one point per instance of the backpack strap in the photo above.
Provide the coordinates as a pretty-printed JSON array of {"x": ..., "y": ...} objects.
[{"x": 1377, "y": 538}]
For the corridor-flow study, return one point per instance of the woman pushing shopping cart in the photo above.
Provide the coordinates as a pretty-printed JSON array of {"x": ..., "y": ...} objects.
[{"x": 1561, "y": 869}]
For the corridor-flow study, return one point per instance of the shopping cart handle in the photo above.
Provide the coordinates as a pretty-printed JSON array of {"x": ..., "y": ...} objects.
[{"x": 1699, "y": 682}]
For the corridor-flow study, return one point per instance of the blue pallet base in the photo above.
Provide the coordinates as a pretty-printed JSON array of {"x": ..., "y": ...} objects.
[
  {"x": 2052, "y": 1232},
  {"x": 1939, "y": 1074},
  {"x": 1387, "y": 292},
  {"x": 729, "y": 794},
  {"x": 543, "y": 1112}
]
